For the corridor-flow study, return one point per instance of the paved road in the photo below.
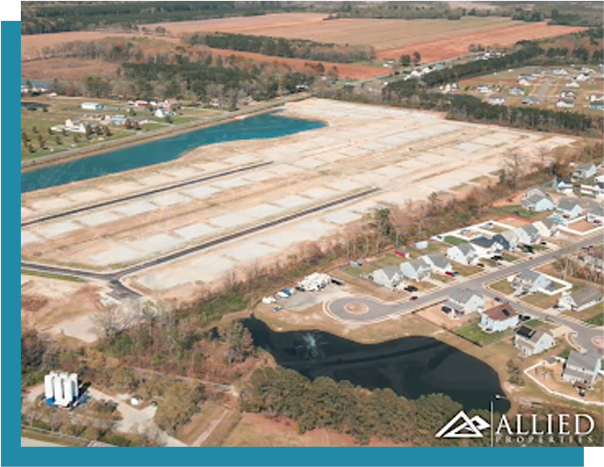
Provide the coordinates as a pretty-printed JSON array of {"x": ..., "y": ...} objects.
[
  {"x": 380, "y": 311},
  {"x": 143, "y": 194},
  {"x": 114, "y": 278},
  {"x": 594, "y": 457},
  {"x": 34, "y": 443}
]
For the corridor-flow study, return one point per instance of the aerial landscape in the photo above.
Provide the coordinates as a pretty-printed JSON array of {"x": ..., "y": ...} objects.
[{"x": 312, "y": 223}]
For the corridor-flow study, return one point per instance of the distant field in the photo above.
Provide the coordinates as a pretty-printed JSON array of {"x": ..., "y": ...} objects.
[
  {"x": 68, "y": 69},
  {"x": 435, "y": 39}
]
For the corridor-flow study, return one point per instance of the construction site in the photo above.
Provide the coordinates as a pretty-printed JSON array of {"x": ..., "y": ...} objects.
[{"x": 168, "y": 229}]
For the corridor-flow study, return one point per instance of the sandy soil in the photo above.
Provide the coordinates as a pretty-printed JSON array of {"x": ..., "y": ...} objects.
[{"x": 407, "y": 154}]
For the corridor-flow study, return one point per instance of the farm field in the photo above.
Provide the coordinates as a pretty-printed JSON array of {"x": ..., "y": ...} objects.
[{"x": 360, "y": 148}]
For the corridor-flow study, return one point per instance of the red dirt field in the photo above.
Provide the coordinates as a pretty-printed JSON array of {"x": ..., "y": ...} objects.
[
  {"x": 297, "y": 64},
  {"x": 448, "y": 48}
]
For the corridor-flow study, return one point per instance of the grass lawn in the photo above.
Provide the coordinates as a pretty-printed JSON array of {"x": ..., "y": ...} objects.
[
  {"x": 541, "y": 300},
  {"x": 466, "y": 271},
  {"x": 358, "y": 271},
  {"x": 442, "y": 278},
  {"x": 537, "y": 324},
  {"x": 454, "y": 240},
  {"x": 597, "y": 320},
  {"x": 389, "y": 259},
  {"x": 502, "y": 286},
  {"x": 476, "y": 335},
  {"x": 510, "y": 258}
]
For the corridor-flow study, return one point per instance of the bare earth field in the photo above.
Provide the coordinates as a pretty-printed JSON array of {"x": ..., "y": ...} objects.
[
  {"x": 407, "y": 154},
  {"x": 435, "y": 39},
  {"x": 68, "y": 69}
]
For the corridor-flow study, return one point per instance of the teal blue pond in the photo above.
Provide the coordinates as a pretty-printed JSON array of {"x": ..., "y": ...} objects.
[{"x": 163, "y": 150}]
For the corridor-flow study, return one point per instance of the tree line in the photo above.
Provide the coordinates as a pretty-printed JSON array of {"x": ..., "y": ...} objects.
[{"x": 281, "y": 47}]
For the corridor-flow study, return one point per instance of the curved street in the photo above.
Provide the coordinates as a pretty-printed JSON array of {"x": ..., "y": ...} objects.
[{"x": 376, "y": 311}]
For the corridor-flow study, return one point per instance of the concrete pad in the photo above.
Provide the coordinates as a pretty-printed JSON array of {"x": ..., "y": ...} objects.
[
  {"x": 212, "y": 166},
  {"x": 230, "y": 183},
  {"x": 309, "y": 163},
  {"x": 98, "y": 218},
  {"x": 169, "y": 199},
  {"x": 156, "y": 180},
  {"x": 344, "y": 184},
  {"x": 199, "y": 192},
  {"x": 290, "y": 202},
  {"x": 319, "y": 193},
  {"x": 259, "y": 176},
  {"x": 28, "y": 237},
  {"x": 183, "y": 173},
  {"x": 242, "y": 159},
  {"x": 116, "y": 255},
  {"x": 135, "y": 208},
  {"x": 249, "y": 251},
  {"x": 208, "y": 267},
  {"x": 232, "y": 219},
  {"x": 51, "y": 204},
  {"x": 157, "y": 243},
  {"x": 342, "y": 216},
  {"x": 470, "y": 148},
  {"x": 263, "y": 210},
  {"x": 55, "y": 229},
  {"x": 25, "y": 212},
  {"x": 193, "y": 231},
  {"x": 164, "y": 280},
  {"x": 87, "y": 196}
]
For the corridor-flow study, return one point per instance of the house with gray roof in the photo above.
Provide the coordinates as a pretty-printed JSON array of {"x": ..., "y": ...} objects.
[
  {"x": 595, "y": 214},
  {"x": 547, "y": 227},
  {"x": 569, "y": 208},
  {"x": 528, "y": 234},
  {"x": 536, "y": 200},
  {"x": 463, "y": 254},
  {"x": 529, "y": 281},
  {"x": 486, "y": 246},
  {"x": 531, "y": 341},
  {"x": 416, "y": 270},
  {"x": 581, "y": 299},
  {"x": 508, "y": 239},
  {"x": 584, "y": 171},
  {"x": 581, "y": 368},
  {"x": 463, "y": 301},
  {"x": 390, "y": 277},
  {"x": 562, "y": 185},
  {"x": 438, "y": 262}
]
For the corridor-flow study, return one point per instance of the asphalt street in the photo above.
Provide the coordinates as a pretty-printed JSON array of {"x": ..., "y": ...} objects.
[{"x": 377, "y": 311}]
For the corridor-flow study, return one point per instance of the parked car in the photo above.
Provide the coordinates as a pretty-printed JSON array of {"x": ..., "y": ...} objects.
[
  {"x": 277, "y": 308},
  {"x": 446, "y": 309},
  {"x": 497, "y": 299},
  {"x": 415, "y": 297},
  {"x": 543, "y": 243},
  {"x": 411, "y": 288},
  {"x": 449, "y": 273},
  {"x": 497, "y": 258},
  {"x": 480, "y": 265}
]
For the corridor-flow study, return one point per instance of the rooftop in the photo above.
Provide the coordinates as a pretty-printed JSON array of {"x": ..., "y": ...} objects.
[
  {"x": 501, "y": 312},
  {"x": 587, "y": 361},
  {"x": 586, "y": 295}
]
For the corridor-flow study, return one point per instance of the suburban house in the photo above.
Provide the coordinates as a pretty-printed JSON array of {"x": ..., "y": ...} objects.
[
  {"x": 75, "y": 126},
  {"x": 560, "y": 71},
  {"x": 547, "y": 227},
  {"x": 499, "y": 318},
  {"x": 562, "y": 185},
  {"x": 568, "y": 95},
  {"x": 438, "y": 262},
  {"x": 528, "y": 234},
  {"x": 582, "y": 77},
  {"x": 161, "y": 113},
  {"x": 483, "y": 89},
  {"x": 416, "y": 270},
  {"x": 581, "y": 299},
  {"x": 532, "y": 341},
  {"x": 509, "y": 239},
  {"x": 536, "y": 200},
  {"x": 595, "y": 214},
  {"x": 463, "y": 254},
  {"x": 584, "y": 171},
  {"x": 390, "y": 277},
  {"x": 462, "y": 302},
  {"x": 516, "y": 91},
  {"x": 581, "y": 368},
  {"x": 529, "y": 281},
  {"x": 486, "y": 246},
  {"x": 572, "y": 84},
  {"x": 524, "y": 82},
  {"x": 497, "y": 100},
  {"x": 565, "y": 103},
  {"x": 569, "y": 208}
]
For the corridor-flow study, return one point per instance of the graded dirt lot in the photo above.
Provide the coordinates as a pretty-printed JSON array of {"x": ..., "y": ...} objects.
[
  {"x": 407, "y": 154},
  {"x": 68, "y": 69}
]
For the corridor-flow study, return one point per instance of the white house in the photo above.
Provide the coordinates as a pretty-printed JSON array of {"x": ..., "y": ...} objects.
[
  {"x": 499, "y": 318},
  {"x": 161, "y": 113},
  {"x": 529, "y": 281},
  {"x": 584, "y": 170},
  {"x": 532, "y": 341},
  {"x": 508, "y": 239},
  {"x": 547, "y": 227},
  {"x": 582, "y": 77},
  {"x": 496, "y": 100},
  {"x": 528, "y": 234},
  {"x": 486, "y": 246},
  {"x": 565, "y": 103},
  {"x": 572, "y": 84},
  {"x": 569, "y": 208},
  {"x": 462, "y": 302},
  {"x": 483, "y": 89},
  {"x": 536, "y": 200},
  {"x": 91, "y": 106},
  {"x": 562, "y": 185},
  {"x": 516, "y": 91},
  {"x": 390, "y": 277},
  {"x": 438, "y": 262},
  {"x": 463, "y": 254},
  {"x": 568, "y": 94},
  {"x": 416, "y": 270},
  {"x": 581, "y": 299},
  {"x": 595, "y": 214},
  {"x": 75, "y": 126},
  {"x": 560, "y": 71},
  {"x": 581, "y": 368}
]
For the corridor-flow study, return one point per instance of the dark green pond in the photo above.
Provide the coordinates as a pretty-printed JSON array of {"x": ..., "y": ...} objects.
[
  {"x": 411, "y": 366},
  {"x": 163, "y": 150}
]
